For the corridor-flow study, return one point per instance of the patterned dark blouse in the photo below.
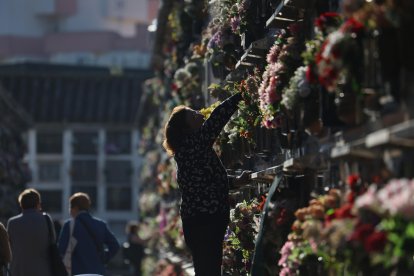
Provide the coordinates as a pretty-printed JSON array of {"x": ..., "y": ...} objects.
[{"x": 201, "y": 176}]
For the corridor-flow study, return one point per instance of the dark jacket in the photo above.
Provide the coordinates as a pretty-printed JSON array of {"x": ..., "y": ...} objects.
[
  {"x": 201, "y": 176},
  {"x": 85, "y": 258},
  {"x": 29, "y": 241}
]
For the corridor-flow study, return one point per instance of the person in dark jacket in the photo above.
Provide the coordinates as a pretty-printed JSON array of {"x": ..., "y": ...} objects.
[
  {"x": 29, "y": 236},
  {"x": 85, "y": 240},
  {"x": 135, "y": 252},
  {"x": 202, "y": 180}
]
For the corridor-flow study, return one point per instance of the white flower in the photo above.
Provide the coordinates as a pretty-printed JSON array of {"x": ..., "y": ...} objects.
[{"x": 297, "y": 85}]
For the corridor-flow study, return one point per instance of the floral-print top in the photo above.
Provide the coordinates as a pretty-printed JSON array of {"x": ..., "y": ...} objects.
[{"x": 201, "y": 176}]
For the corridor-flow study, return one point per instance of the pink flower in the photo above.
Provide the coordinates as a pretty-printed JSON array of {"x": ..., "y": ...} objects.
[
  {"x": 273, "y": 54},
  {"x": 235, "y": 24},
  {"x": 397, "y": 198},
  {"x": 272, "y": 96},
  {"x": 285, "y": 252},
  {"x": 270, "y": 123},
  {"x": 286, "y": 271},
  {"x": 369, "y": 200},
  {"x": 313, "y": 245}
]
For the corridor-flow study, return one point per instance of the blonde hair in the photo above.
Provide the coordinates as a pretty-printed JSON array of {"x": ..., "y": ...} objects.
[{"x": 175, "y": 129}]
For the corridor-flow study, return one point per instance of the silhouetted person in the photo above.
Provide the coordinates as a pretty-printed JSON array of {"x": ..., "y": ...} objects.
[
  {"x": 29, "y": 237},
  {"x": 86, "y": 243}
]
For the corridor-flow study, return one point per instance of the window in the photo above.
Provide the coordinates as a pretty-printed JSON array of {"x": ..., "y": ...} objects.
[
  {"x": 84, "y": 170},
  {"x": 118, "y": 198},
  {"x": 49, "y": 143},
  {"x": 118, "y": 171},
  {"x": 85, "y": 143},
  {"x": 118, "y": 181},
  {"x": 49, "y": 171},
  {"x": 51, "y": 200},
  {"x": 118, "y": 142}
]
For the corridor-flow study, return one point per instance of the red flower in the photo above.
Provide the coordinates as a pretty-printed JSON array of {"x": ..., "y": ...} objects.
[
  {"x": 377, "y": 179},
  {"x": 262, "y": 203},
  {"x": 310, "y": 75},
  {"x": 243, "y": 84},
  {"x": 352, "y": 26},
  {"x": 327, "y": 18},
  {"x": 352, "y": 181},
  {"x": 344, "y": 212},
  {"x": 351, "y": 197},
  {"x": 331, "y": 14},
  {"x": 174, "y": 87},
  {"x": 318, "y": 57},
  {"x": 375, "y": 242},
  {"x": 362, "y": 232}
]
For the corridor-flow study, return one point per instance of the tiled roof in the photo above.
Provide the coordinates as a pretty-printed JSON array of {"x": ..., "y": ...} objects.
[{"x": 75, "y": 94}]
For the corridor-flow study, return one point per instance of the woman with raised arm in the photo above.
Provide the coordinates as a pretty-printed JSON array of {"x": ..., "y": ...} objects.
[{"x": 202, "y": 180}]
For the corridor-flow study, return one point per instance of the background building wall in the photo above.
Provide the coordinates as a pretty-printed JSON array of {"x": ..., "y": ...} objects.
[{"x": 94, "y": 32}]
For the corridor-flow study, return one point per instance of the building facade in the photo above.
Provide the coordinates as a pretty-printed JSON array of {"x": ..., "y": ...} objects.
[
  {"x": 93, "y": 32},
  {"x": 83, "y": 135}
]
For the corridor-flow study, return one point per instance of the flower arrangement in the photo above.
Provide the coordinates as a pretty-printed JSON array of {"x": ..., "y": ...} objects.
[
  {"x": 328, "y": 22},
  {"x": 222, "y": 37},
  {"x": 387, "y": 214},
  {"x": 269, "y": 98},
  {"x": 170, "y": 228},
  {"x": 279, "y": 218},
  {"x": 325, "y": 24},
  {"x": 166, "y": 177},
  {"x": 248, "y": 116},
  {"x": 219, "y": 92},
  {"x": 304, "y": 242},
  {"x": 186, "y": 86},
  {"x": 339, "y": 57},
  {"x": 298, "y": 86},
  {"x": 237, "y": 16},
  {"x": 371, "y": 231},
  {"x": 283, "y": 59},
  {"x": 240, "y": 237},
  {"x": 148, "y": 202}
]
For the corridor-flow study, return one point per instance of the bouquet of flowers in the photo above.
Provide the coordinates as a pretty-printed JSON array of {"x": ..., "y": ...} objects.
[
  {"x": 248, "y": 116},
  {"x": 339, "y": 57},
  {"x": 298, "y": 86},
  {"x": 283, "y": 59},
  {"x": 240, "y": 238},
  {"x": 387, "y": 228},
  {"x": 371, "y": 232},
  {"x": 325, "y": 24},
  {"x": 237, "y": 16},
  {"x": 187, "y": 84}
]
